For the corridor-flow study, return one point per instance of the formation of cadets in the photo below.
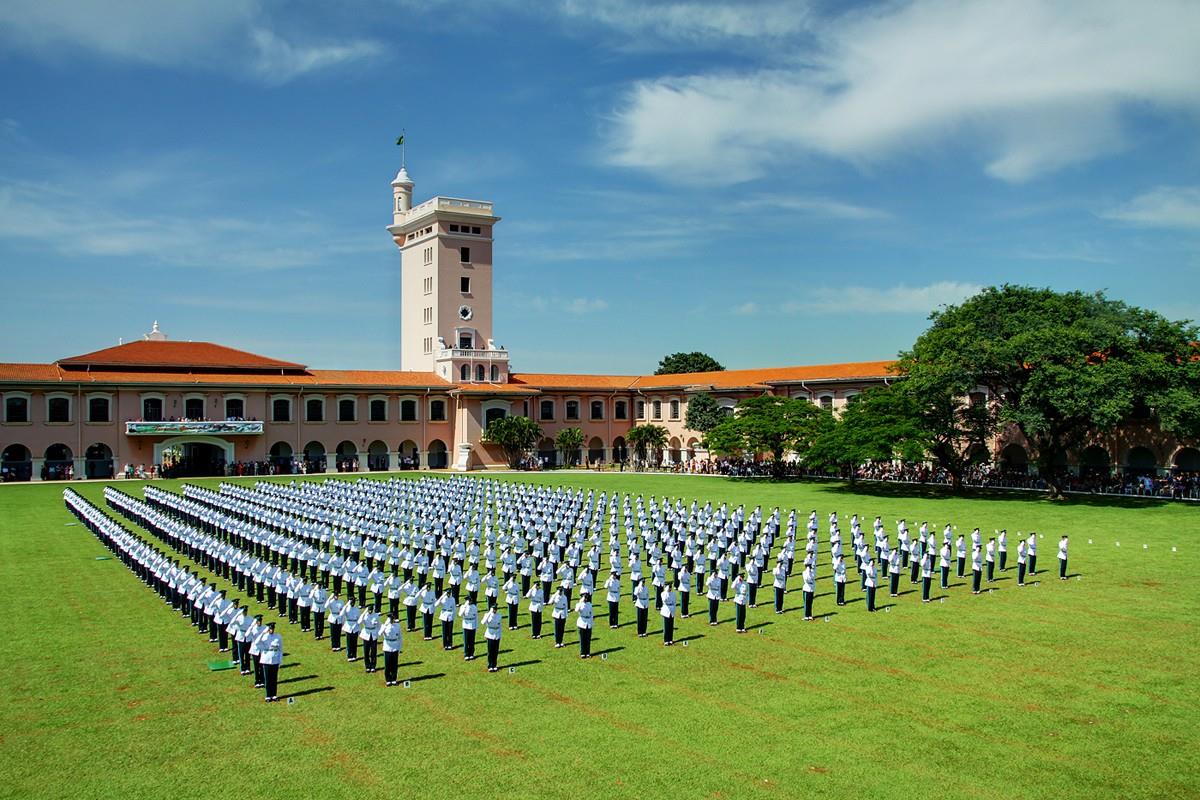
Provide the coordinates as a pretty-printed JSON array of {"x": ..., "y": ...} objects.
[{"x": 345, "y": 558}]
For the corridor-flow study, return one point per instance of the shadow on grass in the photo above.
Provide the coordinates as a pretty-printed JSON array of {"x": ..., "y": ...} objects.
[
  {"x": 758, "y": 625},
  {"x": 939, "y": 492},
  {"x": 298, "y": 678},
  {"x": 410, "y": 664},
  {"x": 529, "y": 663},
  {"x": 307, "y": 692},
  {"x": 428, "y": 677},
  {"x": 608, "y": 650},
  {"x": 691, "y": 638}
]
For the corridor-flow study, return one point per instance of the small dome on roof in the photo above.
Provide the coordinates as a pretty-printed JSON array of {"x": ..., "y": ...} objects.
[{"x": 402, "y": 178}]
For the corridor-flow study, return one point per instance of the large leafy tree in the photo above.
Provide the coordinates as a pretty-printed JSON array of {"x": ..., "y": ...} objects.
[
  {"x": 1063, "y": 365},
  {"x": 569, "y": 441},
  {"x": 881, "y": 424},
  {"x": 703, "y": 413},
  {"x": 516, "y": 436},
  {"x": 647, "y": 440},
  {"x": 768, "y": 424},
  {"x": 677, "y": 363}
]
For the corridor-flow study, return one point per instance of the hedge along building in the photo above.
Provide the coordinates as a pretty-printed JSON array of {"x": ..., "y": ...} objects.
[{"x": 211, "y": 405}]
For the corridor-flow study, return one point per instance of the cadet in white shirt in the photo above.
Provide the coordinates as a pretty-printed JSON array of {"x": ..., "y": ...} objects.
[
  {"x": 926, "y": 575},
  {"x": 1002, "y": 546},
  {"x": 536, "y": 601},
  {"x": 714, "y": 597},
  {"x": 446, "y": 611},
  {"x": 583, "y": 622},
  {"x": 512, "y": 598},
  {"x": 781, "y": 575},
  {"x": 428, "y": 602},
  {"x": 1021, "y": 562},
  {"x": 558, "y": 603},
  {"x": 1031, "y": 552},
  {"x": 641, "y": 605},
  {"x": 470, "y": 621},
  {"x": 613, "y": 588},
  {"x": 271, "y": 649},
  {"x": 683, "y": 580},
  {"x": 370, "y": 639},
  {"x": 741, "y": 595},
  {"x": 990, "y": 557},
  {"x": 351, "y": 625},
  {"x": 492, "y": 628},
  {"x": 1062, "y": 558},
  {"x": 944, "y": 563},
  {"x": 667, "y": 610},
  {"x": 809, "y": 587},
  {"x": 976, "y": 569},
  {"x": 869, "y": 576},
  {"x": 335, "y": 608},
  {"x": 392, "y": 638}
]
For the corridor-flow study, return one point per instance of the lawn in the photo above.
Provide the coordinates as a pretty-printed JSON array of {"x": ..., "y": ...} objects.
[{"x": 1078, "y": 689}]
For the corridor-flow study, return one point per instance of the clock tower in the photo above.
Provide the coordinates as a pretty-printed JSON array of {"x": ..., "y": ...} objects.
[{"x": 446, "y": 286}]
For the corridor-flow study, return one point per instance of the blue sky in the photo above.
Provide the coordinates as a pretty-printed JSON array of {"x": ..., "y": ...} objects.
[{"x": 772, "y": 183}]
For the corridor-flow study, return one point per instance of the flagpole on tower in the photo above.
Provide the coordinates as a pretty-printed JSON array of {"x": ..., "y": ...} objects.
[{"x": 400, "y": 142}]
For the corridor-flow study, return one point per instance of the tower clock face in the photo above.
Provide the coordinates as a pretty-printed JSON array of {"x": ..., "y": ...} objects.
[{"x": 465, "y": 312}]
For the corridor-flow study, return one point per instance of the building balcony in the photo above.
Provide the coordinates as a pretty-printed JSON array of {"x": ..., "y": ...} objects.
[
  {"x": 473, "y": 355},
  {"x": 458, "y": 204},
  {"x": 207, "y": 428}
]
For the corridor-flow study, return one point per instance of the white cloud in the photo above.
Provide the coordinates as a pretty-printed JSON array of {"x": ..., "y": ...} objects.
[
  {"x": 50, "y": 218},
  {"x": 868, "y": 299},
  {"x": 746, "y": 309},
  {"x": 235, "y": 35},
  {"x": 811, "y": 206},
  {"x": 1161, "y": 207},
  {"x": 697, "y": 22},
  {"x": 1035, "y": 85},
  {"x": 555, "y": 304}
]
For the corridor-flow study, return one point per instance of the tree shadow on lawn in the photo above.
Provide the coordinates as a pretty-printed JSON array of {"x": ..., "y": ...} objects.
[{"x": 939, "y": 492}]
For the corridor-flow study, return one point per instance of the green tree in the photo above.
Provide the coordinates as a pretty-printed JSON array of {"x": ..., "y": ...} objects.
[
  {"x": 516, "y": 436},
  {"x": 768, "y": 424},
  {"x": 703, "y": 413},
  {"x": 678, "y": 363},
  {"x": 648, "y": 441},
  {"x": 1064, "y": 366},
  {"x": 880, "y": 424},
  {"x": 569, "y": 441}
]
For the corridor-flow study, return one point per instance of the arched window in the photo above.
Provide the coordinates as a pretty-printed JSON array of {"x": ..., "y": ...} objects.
[
  {"x": 495, "y": 373},
  {"x": 235, "y": 408},
  {"x": 16, "y": 409},
  {"x": 480, "y": 373},
  {"x": 674, "y": 409},
  {"x": 314, "y": 410},
  {"x": 193, "y": 408},
  {"x": 379, "y": 410},
  {"x": 572, "y": 409},
  {"x": 621, "y": 409},
  {"x": 152, "y": 409},
  {"x": 598, "y": 411},
  {"x": 493, "y": 414},
  {"x": 546, "y": 410},
  {"x": 58, "y": 409},
  {"x": 464, "y": 373},
  {"x": 98, "y": 409},
  {"x": 408, "y": 410},
  {"x": 437, "y": 410},
  {"x": 657, "y": 409},
  {"x": 281, "y": 410},
  {"x": 346, "y": 409}
]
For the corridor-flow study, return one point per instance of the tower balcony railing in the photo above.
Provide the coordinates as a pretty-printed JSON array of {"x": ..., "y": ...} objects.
[
  {"x": 476, "y": 355},
  {"x": 452, "y": 204},
  {"x": 208, "y": 428}
]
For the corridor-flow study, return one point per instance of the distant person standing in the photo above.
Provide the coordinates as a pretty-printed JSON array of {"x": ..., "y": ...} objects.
[
  {"x": 781, "y": 576},
  {"x": 926, "y": 575},
  {"x": 944, "y": 563},
  {"x": 1021, "y": 556},
  {"x": 990, "y": 557},
  {"x": 392, "y": 639},
  {"x": 839, "y": 579},
  {"x": 1031, "y": 552},
  {"x": 613, "y": 588},
  {"x": 493, "y": 625},
  {"x": 869, "y": 575},
  {"x": 667, "y": 609},
  {"x": 584, "y": 622},
  {"x": 809, "y": 585},
  {"x": 271, "y": 648},
  {"x": 741, "y": 596},
  {"x": 976, "y": 569},
  {"x": 1002, "y": 546},
  {"x": 714, "y": 597},
  {"x": 558, "y": 612},
  {"x": 1062, "y": 558},
  {"x": 641, "y": 606},
  {"x": 536, "y": 601},
  {"x": 469, "y": 614}
]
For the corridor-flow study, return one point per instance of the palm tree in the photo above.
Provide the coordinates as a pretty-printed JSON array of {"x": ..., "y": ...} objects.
[{"x": 647, "y": 439}]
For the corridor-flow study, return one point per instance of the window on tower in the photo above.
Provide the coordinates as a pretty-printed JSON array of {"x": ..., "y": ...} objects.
[
  {"x": 464, "y": 255},
  {"x": 464, "y": 373},
  {"x": 464, "y": 284}
]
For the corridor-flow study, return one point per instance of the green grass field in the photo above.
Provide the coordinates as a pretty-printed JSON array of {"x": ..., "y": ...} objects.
[{"x": 1078, "y": 689}]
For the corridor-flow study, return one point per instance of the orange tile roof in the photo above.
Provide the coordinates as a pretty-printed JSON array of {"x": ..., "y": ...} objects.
[
  {"x": 393, "y": 379},
  {"x": 204, "y": 355},
  {"x": 543, "y": 380},
  {"x": 757, "y": 379},
  {"x": 495, "y": 389}
]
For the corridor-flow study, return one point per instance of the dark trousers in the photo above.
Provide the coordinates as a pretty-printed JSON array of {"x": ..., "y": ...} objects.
[
  {"x": 962, "y": 563},
  {"x": 222, "y": 638},
  {"x": 870, "y": 598},
  {"x": 512, "y": 615},
  {"x": 394, "y": 607},
  {"x": 427, "y": 624},
  {"x": 1003, "y": 560},
  {"x": 894, "y": 583},
  {"x": 305, "y": 617},
  {"x": 945, "y": 577},
  {"x": 779, "y": 590},
  {"x": 1062, "y": 568},
  {"x": 320, "y": 624},
  {"x": 926, "y": 582},
  {"x": 1032, "y": 564},
  {"x": 613, "y": 613},
  {"x": 493, "y": 652},
  {"x": 684, "y": 597},
  {"x": 1020, "y": 573},
  {"x": 560, "y": 626},
  {"x": 841, "y": 593},
  {"x": 335, "y": 636},
  {"x": 468, "y": 642},
  {"x": 668, "y": 629},
  {"x": 244, "y": 660},
  {"x": 447, "y": 634},
  {"x": 370, "y": 653},
  {"x": 753, "y": 594},
  {"x": 391, "y": 661},
  {"x": 713, "y": 605},
  {"x": 976, "y": 577},
  {"x": 270, "y": 679},
  {"x": 991, "y": 569},
  {"x": 739, "y": 613},
  {"x": 642, "y": 615},
  {"x": 585, "y": 641},
  {"x": 536, "y": 617},
  {"x": 351, "y": 646},
  {"x": 379, "y": 602},
  {"x": 293, "y": 609},
  {"x": 258, "y": 671},
  {"x": 411, "y": 613},
  {"x": 808, "y": 603},
  {"x": 913, "y": 569}
]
